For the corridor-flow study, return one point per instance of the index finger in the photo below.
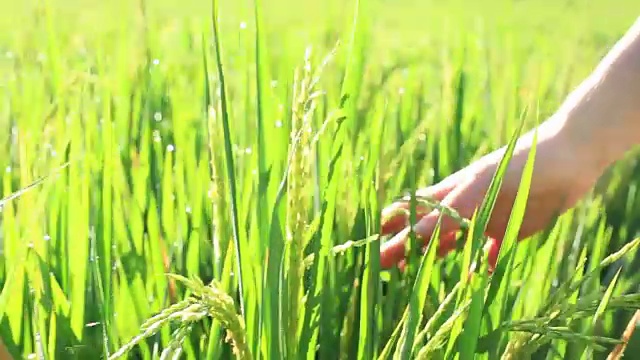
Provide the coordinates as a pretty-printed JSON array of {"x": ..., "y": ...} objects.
[
  {"x": 395, "y": 217},
  {"x": 392, "y": 251}
]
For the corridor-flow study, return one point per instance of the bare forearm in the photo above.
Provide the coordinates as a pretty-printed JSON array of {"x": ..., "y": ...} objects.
[{"x": 602, "y": 116}]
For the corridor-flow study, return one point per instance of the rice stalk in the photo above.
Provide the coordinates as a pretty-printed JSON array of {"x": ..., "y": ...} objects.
[
  {"x": 174, "y": 348},
  {"x": 217, "y": 194},
  {"x": 342, "y": 248},
  {"x": 439, "y": 338},
  {"x": 527, "y": 335},
  {"x": 302, "y": 111},
  {"x": 428, "y": 202},
  {"x": 431, "y": 323},
  {"x": 205, "y": 301},
  {"x": 386, "y": 351}
]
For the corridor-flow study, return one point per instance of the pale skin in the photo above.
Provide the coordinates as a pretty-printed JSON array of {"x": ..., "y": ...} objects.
[{"x": 597, "y": 124}]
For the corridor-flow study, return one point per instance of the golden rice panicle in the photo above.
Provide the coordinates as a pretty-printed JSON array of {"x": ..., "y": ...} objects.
[
  {"x": 302, "y": 110},
  {"x": 222, "y": 308},
  {"x": 205, "y": 301},
  {"x": 217, "y": 192}
]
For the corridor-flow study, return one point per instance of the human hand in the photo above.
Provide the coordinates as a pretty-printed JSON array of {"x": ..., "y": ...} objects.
[
  {"x": 563, "y": 173},
  {"x": 595, "y": 126}
]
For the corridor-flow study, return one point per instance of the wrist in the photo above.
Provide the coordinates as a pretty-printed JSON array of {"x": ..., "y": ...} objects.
[
  {"x": 601, "y": 117},
  {"x": 597, "y": 138}
]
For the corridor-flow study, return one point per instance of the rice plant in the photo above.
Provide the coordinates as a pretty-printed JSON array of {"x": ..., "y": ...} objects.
[{"x": 207, "y": 179}]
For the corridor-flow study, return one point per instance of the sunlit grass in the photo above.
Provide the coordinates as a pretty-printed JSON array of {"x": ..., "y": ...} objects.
[{"x": 249, "y": 152}]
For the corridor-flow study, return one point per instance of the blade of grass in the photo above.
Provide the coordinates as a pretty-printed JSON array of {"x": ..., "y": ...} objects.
[
  {"x": 395, "y": 336},
  {"x": 418, "y": 296},
  {"x": 499, "y": 283},
  {"x": 369, "y": 296},
  {"x": 600, "y": 311},
  {"x": 228, "y": 155},
  {"x": 471, "y": 331},
  {"x": 262, "y": 108}
]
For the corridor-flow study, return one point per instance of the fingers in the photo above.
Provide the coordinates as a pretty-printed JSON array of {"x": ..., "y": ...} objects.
[
  {"x": 393, "y": 250},
  {"x": 394, "y": 221},
  {"x": 447, "y": 243},
  {"x": 394, "y": 218},
  {"x": 493, "y": 248},
  {"x": 427, "y": 225}
]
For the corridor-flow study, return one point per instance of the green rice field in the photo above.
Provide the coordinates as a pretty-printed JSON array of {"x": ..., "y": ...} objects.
[{"x": 204, "y": 179}]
